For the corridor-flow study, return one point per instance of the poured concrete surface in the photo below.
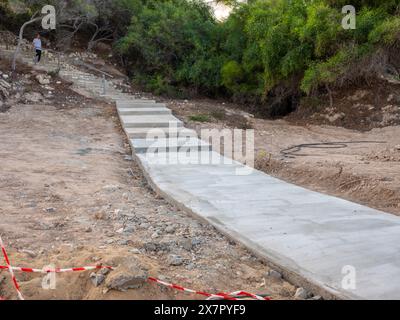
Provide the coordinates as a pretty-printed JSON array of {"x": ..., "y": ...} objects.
[
  {"x": 188, "y": 144},
  {"x": 153, "y": 121},
  {"x": 143, "y": 111},
  {"x": 141, "y": 133},
  {"x": 305, "y": 232}
]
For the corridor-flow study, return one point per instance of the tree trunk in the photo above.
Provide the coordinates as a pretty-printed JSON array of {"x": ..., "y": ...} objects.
[{"x": 20, "y": 39}]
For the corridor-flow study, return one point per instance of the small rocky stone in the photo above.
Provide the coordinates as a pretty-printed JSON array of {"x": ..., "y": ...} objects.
[
  {"x": 301, "y": 293},
  {"x": 155, "y": 235},
  {"x": 274, "y": 274},
  {"x": 129, "y": 229},
  {"x": 130, "y": 275},
  {"x": 42, "y": 79},
  {"x": 186, "y": 244},
  {"x": 135, "y": 251},
  {"x": 50, "y": 210},
  {"x": 175, "y": 260},
  {"x": 123, "y": 242},
  {"x": 170, "y": 229},
  {"x": 104, "y": 271},
  {"x": 97, "y": 279},
  {"x": 150, "y": 246}
]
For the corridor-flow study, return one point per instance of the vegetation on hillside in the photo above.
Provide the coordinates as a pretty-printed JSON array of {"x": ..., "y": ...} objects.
[{"x": 268, "y": 51}]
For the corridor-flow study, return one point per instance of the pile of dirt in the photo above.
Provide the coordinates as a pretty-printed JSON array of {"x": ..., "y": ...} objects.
[{"x": 376, "y": 105}]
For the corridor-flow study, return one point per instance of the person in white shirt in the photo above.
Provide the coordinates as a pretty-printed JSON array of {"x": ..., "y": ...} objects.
[{"x": 37, "y": 43}]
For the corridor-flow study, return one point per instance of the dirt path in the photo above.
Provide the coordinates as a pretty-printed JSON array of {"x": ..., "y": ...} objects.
[
  {"x": 367, "y": 173},
  {"x": 71, "y": 195}
]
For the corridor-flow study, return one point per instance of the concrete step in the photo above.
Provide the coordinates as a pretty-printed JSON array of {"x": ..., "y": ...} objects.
[
  {"x": 154, "y": 121},
  {"x": 142, "y": 111},
  {"x": 142, "y": 133},
  {"x": 171, "y": 144},
  {"x": 138, "y": 103}
]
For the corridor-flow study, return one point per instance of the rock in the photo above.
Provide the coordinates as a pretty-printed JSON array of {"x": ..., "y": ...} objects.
[
  {"x": 170, "y": 229},
  {"x": 301, "y": 293},
  {"x": 196, "y": 242},
  {"x": 50, "y": 210},
  {"x": 129, "y": 229},
  {"x": 88, "y": 230},
  {"x": 104, "y": 271},
  {"x": 274, "y": 275},
  {"x": 155, "y": 235},
  {"x": 5, "y": 76},
  {"x": 123, "y": 242},
  {"x": 130, "y": 275},
  {"x": 335, "y": 117},
  {"x": 175, "y": 260},
  {"x": 150, "y": 246},
  {"x": 135, "y": 251},
  {"x": 33, "y": 97},
  {"x": 397, "y": 147},
  {"x": 42, "y": 79},
  {"x": 97, "y": 279},
  {"x": 186, "y": 244}
]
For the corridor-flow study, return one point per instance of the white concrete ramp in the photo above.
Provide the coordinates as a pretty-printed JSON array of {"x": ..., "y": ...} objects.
[{"x": 344, "y": 249}]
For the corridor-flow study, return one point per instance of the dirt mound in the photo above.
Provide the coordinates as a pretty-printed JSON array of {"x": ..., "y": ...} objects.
[{"x": 363, "y": 108}]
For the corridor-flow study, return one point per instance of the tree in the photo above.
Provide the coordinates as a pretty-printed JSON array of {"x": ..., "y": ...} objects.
[{"x": 21, "y": 37}]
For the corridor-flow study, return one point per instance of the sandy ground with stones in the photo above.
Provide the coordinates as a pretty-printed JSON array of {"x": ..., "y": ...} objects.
[{"x": 71, "y": 196}]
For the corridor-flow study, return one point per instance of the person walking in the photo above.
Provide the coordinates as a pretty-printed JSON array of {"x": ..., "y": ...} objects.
[{"x": 37, "y": 43}]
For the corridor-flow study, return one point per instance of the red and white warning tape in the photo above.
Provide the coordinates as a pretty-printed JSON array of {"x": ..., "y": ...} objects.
[
  {"x": 210, "y": 296},
  {"x": 56, "y": 270},
  {"x": 225, "y": 296},
  {"x": 10, "y": 269}
]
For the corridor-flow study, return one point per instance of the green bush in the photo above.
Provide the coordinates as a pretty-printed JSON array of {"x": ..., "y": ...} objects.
[{"x": 264, "y": 52}]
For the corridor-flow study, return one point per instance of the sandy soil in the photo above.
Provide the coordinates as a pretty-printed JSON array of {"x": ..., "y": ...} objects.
[
  {"x": 367, "y": 173},
  {"x": 71, "y": 195}
]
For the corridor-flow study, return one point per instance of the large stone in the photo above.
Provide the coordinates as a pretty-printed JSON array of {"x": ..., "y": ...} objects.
[
  {"x": 131, "y": 274},
  {"x": 175, "y": 260},
  {"x": 33, "y": 97},
  {"x": 43, "y": 79}
]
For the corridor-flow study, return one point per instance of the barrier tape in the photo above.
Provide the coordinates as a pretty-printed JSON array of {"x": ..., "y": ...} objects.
[
  {"x": 220, "y": 296},
  {"x": 10, "y": 269},
  {"x": 56, "y": 270},
  {"x": 225, "y": 296}
]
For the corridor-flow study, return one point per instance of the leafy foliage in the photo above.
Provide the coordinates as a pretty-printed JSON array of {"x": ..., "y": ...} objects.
[{"x": 264, "y": 48}]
